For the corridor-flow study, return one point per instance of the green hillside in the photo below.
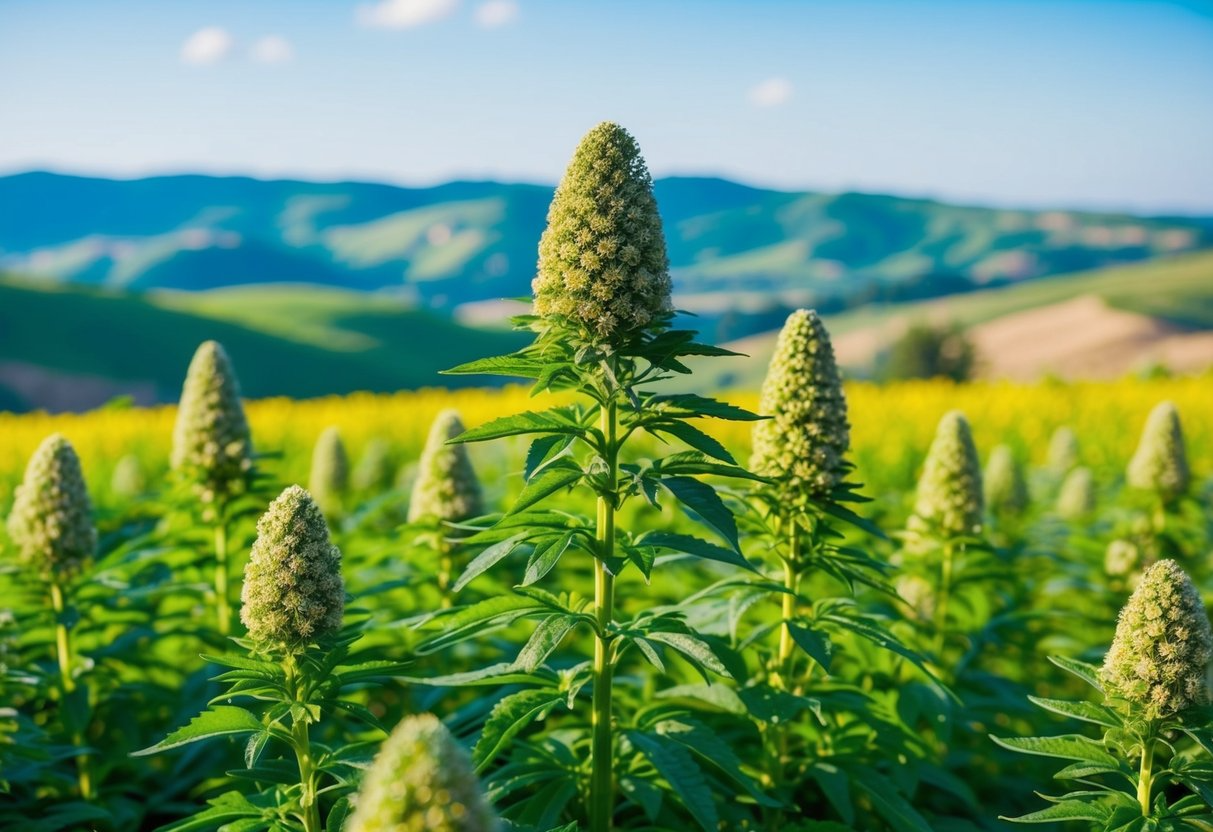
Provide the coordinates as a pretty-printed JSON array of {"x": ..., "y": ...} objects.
[
  {"x": 1178, "y": 289},
  {"x": 731, "y": 247},
  {"x": 284, "y": 340}
]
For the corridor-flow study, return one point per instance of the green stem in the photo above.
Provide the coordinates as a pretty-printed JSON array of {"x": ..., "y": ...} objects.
[
  {"x": 945, "y": 592},
  {"x": 1145, "y": 780},
  {"x": 602, "y": 799},
  {"x": 222, "y": 609},
  {"x": 63, "y": 649},
  {"x": 303, "y": 752},
  {"x": 62, "y": 639},
  {"x": 791, "y": 583}
]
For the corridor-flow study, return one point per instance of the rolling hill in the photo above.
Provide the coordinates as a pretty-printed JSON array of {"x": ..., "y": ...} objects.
[
  {"x": 71, "y": 348},
  {"x": 1100, "y": 323},
  {"x": 736, "y": 251}
]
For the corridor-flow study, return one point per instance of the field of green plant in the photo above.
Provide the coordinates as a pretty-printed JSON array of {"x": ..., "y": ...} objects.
[{"x": 608, "y": 605}]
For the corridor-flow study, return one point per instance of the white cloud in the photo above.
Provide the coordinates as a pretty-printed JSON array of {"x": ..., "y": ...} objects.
[
  {"x": 771, "y": 92},
  {"x": 405, "y": 14},
  {"x": 272, "y": 49},
  {"x": 207, "y": 46},
  {"x": 494, "y": 13}
]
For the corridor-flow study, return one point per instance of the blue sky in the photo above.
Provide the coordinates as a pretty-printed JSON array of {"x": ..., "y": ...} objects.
[{"x": 1053, "y": 102}]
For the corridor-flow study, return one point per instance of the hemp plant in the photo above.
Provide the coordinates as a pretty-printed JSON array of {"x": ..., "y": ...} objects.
[
  {"x": 212, "y": 456},
  {"x": 329, "y": 479},
  {"x": 1158, "y": 476},
  {"x": 947, "y": 510},
  {"x": 1152, "y": 767},
  {"x": 445, "y": 493},
  {"x": 1006, "y": 491},
  {"x": 602, "y": 324},
  {"x": 802, "y": 514},
  {"x": 52, "y": 528},
  {"x": 292, "y": 674}
]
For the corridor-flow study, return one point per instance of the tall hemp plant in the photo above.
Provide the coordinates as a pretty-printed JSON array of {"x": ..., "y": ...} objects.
[
  {"x": 1153, "y": 765},
  {"x": 602, "y": 323},
  {"x": 445, "y": 493},
  {"x": 212, "y": 456},
  {"x": 1159, "y": 477},
  {"x": 288, "y": 681},
  {"x": 948, "y": 511},
  {"x": 800, "y": 451},
  {"x": 51, "y": 525}
]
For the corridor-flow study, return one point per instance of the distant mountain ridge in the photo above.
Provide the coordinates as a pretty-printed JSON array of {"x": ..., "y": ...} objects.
[{"x": 732, "y": 247}]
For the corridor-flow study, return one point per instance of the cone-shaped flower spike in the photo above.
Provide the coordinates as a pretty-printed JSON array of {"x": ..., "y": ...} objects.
[
  {"x": 1160, "y": 655},
  {"x": 1120, "y": 557},
  {"x": 51, "y": 523},
  {"x": 602, "y": 259},
  {"x": 1077, "y": 496},
  {"x": 1006, "y": 493},
  {"x": 446, "y": 487},
  {"x": 802, "y": 445},
  {"x": 1161, "y": 462},
  {"x": 421, "y": 781},
  {"x": 293, "y": 594},
  {"x": 329, "y": 481},
  {"x": 1063, "y": 451},
  {"x": 375, "y": 470},
  {"x": 949, "y": 497},
  {"x": 128, "y": 480},
  {"x": 212, "y": 449}
]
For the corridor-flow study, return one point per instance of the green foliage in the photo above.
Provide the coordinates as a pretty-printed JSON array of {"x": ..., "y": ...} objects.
[
  {"x": 1151, "y": 768},
  {"x": 348, "y": 341},
  {"x": 926, "y": 351}
]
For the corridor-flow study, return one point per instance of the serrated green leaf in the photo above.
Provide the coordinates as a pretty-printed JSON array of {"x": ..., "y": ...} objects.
[
  {"x": 691, "y": 404},
  {"x": 473, "y": 620},
  {"x": 695, "y": 438},
  {"x": 487, "y": 559},
  {"x": 696, "y": 547},
  {"x": 1066, "y": 810},
  {"x": 1066, "y": 747},
  {"x": 675, "y": 764},
  {"x": 1089, "y": 673},
  {"x": 1085, "y": 711},
  {"x": 544, "y": 558},
  {"x": 508, "y": 717},
  {"x": 218, "y": 721},
  {"x": 695, "y": 649},
  {"x": 543, "y": 450},
  {"x": 544, "y": 640},
  {"x": 703, "y": 500},
  {"x": 557, "y": 476},
  {"x": 515, "y": 365},
  {"x": 520, "y": 424},
  {"x": 814, "y": 642}
]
